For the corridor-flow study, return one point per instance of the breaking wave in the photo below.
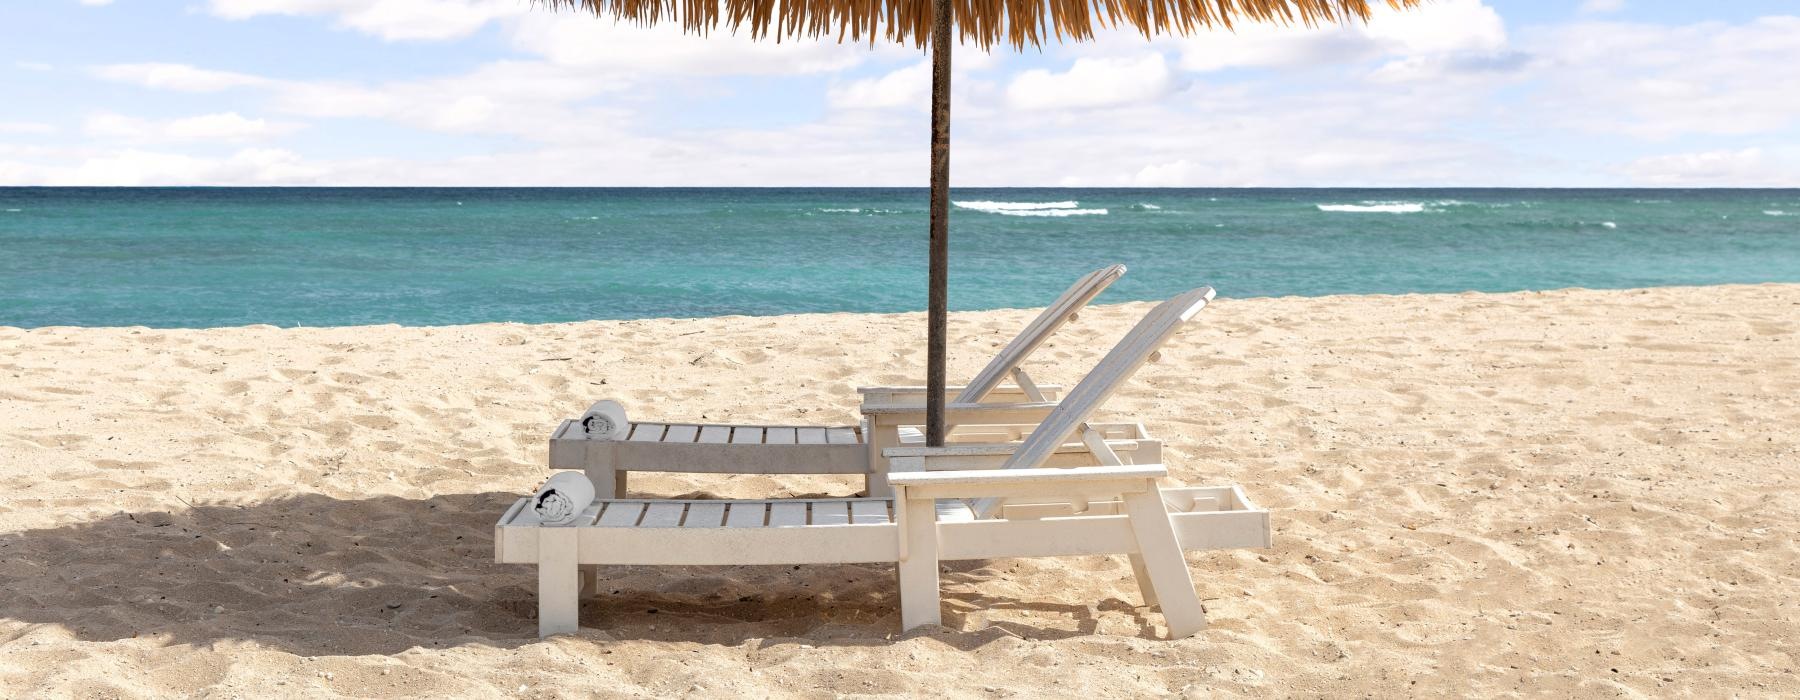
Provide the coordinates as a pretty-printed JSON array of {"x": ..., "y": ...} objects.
[
  {"x": 857, "y": 210},
  {"x": 1070, "y": 208},
  {"x": 1376, "y": 207},
  {"x": 1382, "y": 207}
]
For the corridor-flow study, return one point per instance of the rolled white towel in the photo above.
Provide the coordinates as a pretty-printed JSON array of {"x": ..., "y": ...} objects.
[
  {"x": 605, "y": 420},
  {"x": 562, "y": 498}
]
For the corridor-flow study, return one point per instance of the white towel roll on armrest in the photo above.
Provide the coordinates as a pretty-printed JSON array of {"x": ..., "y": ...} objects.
[
  {"x": 562, "y": 498},
  {"x": 605, "y": 420}
]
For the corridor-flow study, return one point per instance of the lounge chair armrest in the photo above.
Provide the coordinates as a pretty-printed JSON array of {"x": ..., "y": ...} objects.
[
  {"x": 1033, "y": 476},
  {"x": 993, "y": 455},
  {"x": 916, "y": 394},
  {"x": 972, "y": 450},
  {"x": 949, "y": 457},
  {"x": 982, "y": 483},
  {"x": 963, "y": 413},
  {"x": 1004, "y": 389}
]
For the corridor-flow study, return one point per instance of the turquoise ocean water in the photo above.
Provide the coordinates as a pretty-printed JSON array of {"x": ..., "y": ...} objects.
[{"x": 207, "y": 257}]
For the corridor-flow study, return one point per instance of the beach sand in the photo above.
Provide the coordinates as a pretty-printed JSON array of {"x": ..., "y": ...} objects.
[{"x": 1590, "y": 493}]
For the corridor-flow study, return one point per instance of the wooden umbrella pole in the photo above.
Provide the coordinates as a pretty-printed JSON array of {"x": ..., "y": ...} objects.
[{"x": 937, "y": 302}]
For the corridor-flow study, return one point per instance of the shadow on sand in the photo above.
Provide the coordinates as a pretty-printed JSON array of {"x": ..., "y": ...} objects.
[{"x": 321, "y": 576}]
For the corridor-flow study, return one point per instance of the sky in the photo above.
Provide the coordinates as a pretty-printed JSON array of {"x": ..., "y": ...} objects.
[{"x": 1515, "y": 93}]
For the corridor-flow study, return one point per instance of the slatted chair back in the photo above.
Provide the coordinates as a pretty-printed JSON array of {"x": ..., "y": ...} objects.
[
  {"x": 1008, "y": 361},
  {"x": 1123, "y": 361}
]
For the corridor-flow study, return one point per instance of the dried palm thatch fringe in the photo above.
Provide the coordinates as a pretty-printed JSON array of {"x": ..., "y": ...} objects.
[{"x": 984, "y": 22}]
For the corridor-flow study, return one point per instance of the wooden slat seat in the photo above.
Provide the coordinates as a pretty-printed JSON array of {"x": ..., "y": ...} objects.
[
  {"x": 788, "y": 449},
  {"x": 636, "y": 513},
  {"x": 691, "y": 532},
  {"x": 710, "y": 448}
]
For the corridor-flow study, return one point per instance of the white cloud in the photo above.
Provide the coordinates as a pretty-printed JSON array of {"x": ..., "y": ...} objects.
[
  {"x": 392, "y": 20},
  {"x": 523, "y": 98},
  {"x": 910, "y": 87},
  {"x": 176, "y": 76},
  {"x": 1450, "y": 97},
  {"x": 1659, "y": 82},
  {"x": 1093, "y": 82},
  {"x": 906, "y": 87},
  {"x": 1445, "y": 26},
  {"x": 137, "y": 167},
  {"x": 581, "y": 40},
  {"x": 1749, "y": 167},
  {"x": 33, "y": 66},
  {"x": 226, "y": 127},
  {"x": 1171, "y": 174},
  {"x": 1602, "y": 6},
  {"x": 1442, "y": 27}
]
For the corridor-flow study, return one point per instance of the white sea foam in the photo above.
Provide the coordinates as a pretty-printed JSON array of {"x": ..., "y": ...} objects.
[
  {"x": 1149, "y": 207},
  {"x": 1770, "y": 212},
  {"x": 841, "y": 211},
  {"x": 1070, "y": 208},
  {"x": 857, "y": 210},
  {"x": 1376, "y": 207},
  {"x": 1016, "y": 206},
  {"x": 14, "y": 211},
  {"x": 1609, "y": 224},
  {"x": 1050, "y": 212}
]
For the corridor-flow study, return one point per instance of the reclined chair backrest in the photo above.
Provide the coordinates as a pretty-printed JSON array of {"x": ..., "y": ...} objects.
[
  {"x": 1008, "y": 361},
  {"x": 1123, "y": 361}
]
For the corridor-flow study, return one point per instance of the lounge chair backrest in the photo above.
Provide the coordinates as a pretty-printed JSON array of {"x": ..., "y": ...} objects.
[
  {"x": 1112, "y": 372},
  {"x": 1041, "y": 328}
]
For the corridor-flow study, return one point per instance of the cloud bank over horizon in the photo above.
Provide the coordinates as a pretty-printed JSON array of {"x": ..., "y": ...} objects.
[{"x": 502, "y": 92}]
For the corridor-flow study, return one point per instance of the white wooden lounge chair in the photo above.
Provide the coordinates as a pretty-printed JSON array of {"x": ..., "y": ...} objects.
[
  {"x": 623, "y": 446},
  {"x": 1015, "y": 508}
]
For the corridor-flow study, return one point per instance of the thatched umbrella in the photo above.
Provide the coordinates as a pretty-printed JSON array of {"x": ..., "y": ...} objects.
[{"x": 985, "y": 22}]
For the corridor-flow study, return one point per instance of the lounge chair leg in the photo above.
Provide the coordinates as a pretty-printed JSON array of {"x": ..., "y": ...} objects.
[
  {"x": 1143, "y": 580},
  {"x": 559, "y": 581},
  {"x": 875, "y": 484},
  {"x": 919, "y": 570},
  {"x": 1167, "y": 570},
  {"x": 608, "y": 482},
  {"x": 590, "y": 580},
  {"x": 880, "y": 436}
]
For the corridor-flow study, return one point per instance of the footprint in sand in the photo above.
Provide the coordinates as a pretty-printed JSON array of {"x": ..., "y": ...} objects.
[{"x": 375, "y": 422}]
